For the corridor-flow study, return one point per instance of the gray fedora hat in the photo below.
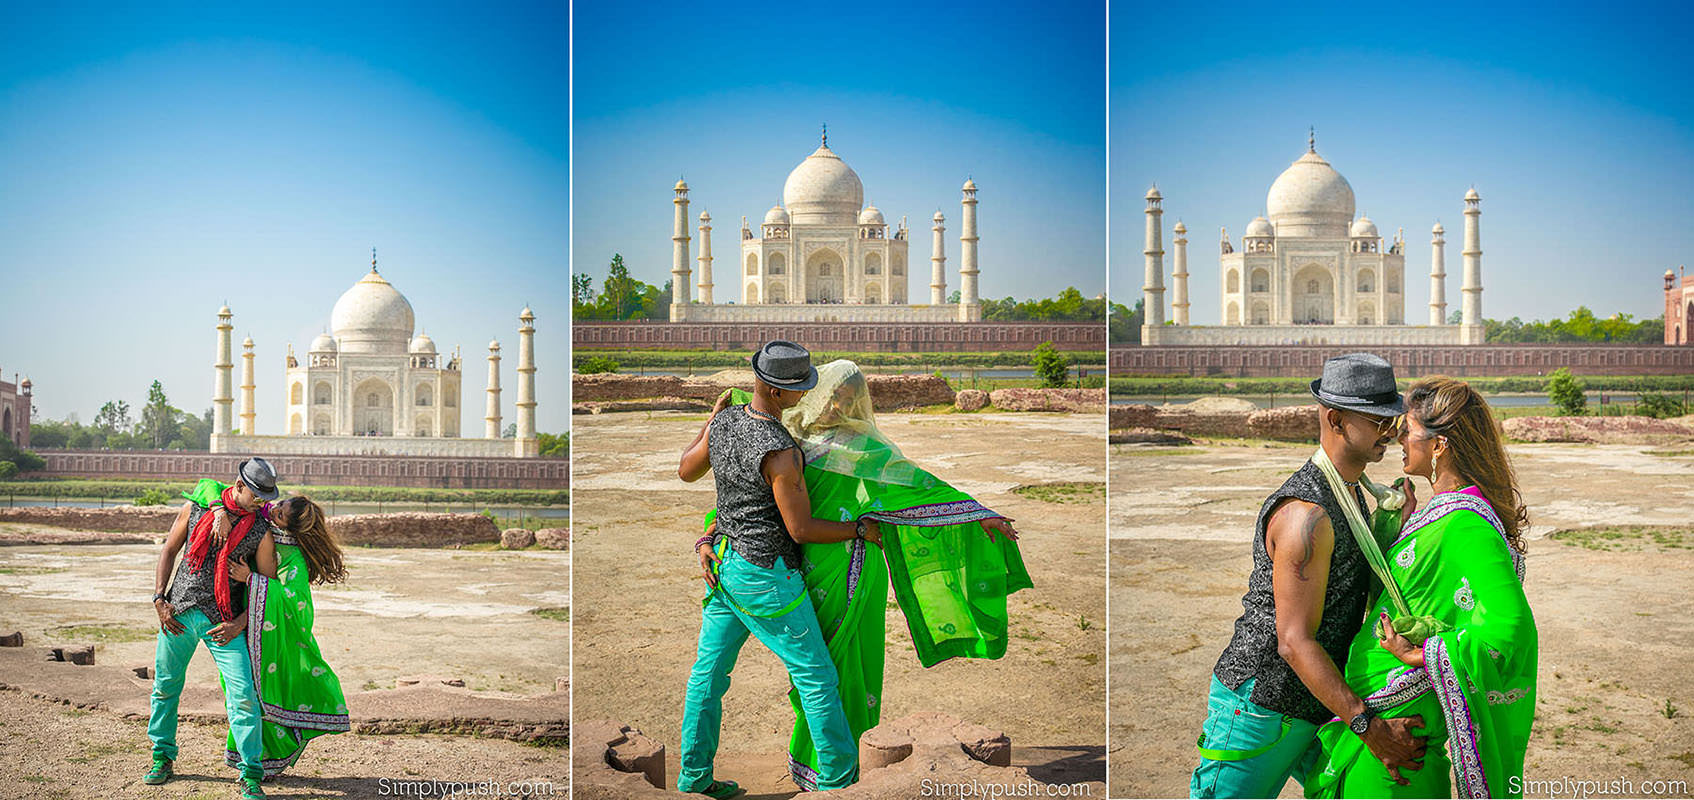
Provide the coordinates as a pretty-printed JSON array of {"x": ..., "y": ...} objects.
[
  {"x": 260, "y": 476},
  {"x": 785, "y": 365},
  {"x": 1360, "y": 382}
]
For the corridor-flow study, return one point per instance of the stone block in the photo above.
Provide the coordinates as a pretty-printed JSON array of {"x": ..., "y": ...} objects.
[{"x": 516, "y": 538}]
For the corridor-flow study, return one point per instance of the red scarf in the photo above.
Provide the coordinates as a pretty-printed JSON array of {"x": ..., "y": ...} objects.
[{"x": 200, "y": 543}]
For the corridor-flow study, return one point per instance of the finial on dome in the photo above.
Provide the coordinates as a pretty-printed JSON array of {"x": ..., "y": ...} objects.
[
  {"x": 373, "y": 258},
  {"x": 1312, "y": 139},
  {"x": 826, "y": 134}
]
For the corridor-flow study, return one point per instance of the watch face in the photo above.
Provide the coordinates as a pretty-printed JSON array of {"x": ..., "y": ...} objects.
[{"x": 1360, "y": 724}]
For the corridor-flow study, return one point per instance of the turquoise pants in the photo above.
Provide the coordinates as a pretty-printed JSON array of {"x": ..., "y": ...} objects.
[
  {"x": 773, "y": 606},
  {"x": 1248, "y": 750},
  {"x": 241, "y": 699}
]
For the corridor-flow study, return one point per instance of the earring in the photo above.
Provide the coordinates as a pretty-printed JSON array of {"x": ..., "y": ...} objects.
[{"x": 1434, "y": 460}]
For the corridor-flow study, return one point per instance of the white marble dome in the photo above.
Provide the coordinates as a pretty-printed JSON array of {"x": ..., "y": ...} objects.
[
  {"x": 372, "y": 317},
  {"x": 1260, "y": 227},
  {"x": 823, "y": 190},
  {"x": 1363, "y": 228},
  {"x": 1310, "y": 199},
  {"x": 325, "y": 343},
  {"x": 871, "y": 216},
  {"x": 421, "y": 345},
  {"x": 776, "y": 216}
]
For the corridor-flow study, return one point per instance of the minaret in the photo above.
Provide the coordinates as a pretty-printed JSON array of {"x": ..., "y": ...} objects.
[
  {"x": 679, "y": 254},
  {"x": 247, "y": 414},
  {"x": 1474, "y": 331},
  {"x": 492, "y": 417},
  {"x": 938, "y": 263},
  {"x": 970, "y": 307},
  {"x": 1153, "y": 290},
  {"x": 1438, "y": 276},
  {"x": 705, "y": 258},
  {"x": 223, "y": 394},
  {"x": 1179, "y": 290},
  {"x": 526, "y": 444}
]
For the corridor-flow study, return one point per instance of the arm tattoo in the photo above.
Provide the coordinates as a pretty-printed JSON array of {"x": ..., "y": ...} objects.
[{"x": 1308, "y": 538}]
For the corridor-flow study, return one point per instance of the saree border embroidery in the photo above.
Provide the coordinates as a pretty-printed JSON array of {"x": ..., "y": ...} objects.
[
  {"x": 1461, "y": 728},
  {"x": 272, "y": 766},
  {"x": 804, "y": 777},
  {"x": 1402, "y": 689},
  {"x": 1446, "y": 503},
  {"x": 258, "y": 589},
  {"x": 936, "y": 515}
]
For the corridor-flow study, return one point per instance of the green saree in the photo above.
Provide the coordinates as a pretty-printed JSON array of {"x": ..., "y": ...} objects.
[
  {"x": 299, "y": 695},
  {"x": 1476, "y": 690},
  {"x": 949, "y": 579}
]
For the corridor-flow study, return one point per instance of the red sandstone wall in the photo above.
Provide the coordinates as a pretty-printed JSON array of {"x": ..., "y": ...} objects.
[
  {"x": 931, "y": 337},
  {"x": 1409, "y": 361},
  {"x": 888, "y": 392},
  {"x": 416, "y": 471}
]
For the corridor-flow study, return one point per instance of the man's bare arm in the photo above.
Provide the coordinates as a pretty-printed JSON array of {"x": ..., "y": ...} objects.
[
  {"x": 784, "y": 470},
  {"x": 1300, "y": 540}
]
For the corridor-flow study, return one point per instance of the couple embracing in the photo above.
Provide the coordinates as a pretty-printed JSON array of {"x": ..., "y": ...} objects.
[
  {"x": 244, "y": 589},
  {"x": 1385, "y": 653}
]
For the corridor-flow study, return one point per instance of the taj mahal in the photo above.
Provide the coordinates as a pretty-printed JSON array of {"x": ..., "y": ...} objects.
[
  {"x": 368, "y": 385},
  {"x": 1310, "y": 272},
  {"x": 823, "y": 255}
]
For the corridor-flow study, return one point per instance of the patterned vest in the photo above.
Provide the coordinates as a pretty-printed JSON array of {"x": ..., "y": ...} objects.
[{"x": 192, "y": 588}]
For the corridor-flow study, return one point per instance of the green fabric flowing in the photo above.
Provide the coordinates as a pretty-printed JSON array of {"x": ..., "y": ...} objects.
[
  {"x": 949, "y": 579},
  {"x": 299, "y": 695},
  {"x": 1476, "y": 690}
]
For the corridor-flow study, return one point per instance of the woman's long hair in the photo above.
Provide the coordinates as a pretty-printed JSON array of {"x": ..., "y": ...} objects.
[
  {"x": 1451, "y": 408},
  {"x": 306, "y": 522}
]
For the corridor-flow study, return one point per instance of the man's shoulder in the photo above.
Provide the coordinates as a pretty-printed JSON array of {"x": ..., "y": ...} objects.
[{"x": 1298, "y": 513}]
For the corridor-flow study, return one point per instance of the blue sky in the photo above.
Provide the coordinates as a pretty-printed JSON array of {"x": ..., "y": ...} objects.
[
  {"x": 917, "y": 97},
  {"x": 1574, "y": 122},
  {"x": 158, "y": 160}
]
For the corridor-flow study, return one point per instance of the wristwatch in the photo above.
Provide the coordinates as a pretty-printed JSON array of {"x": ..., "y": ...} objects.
[
  {"x": 859, "y": 528},
  {"x": 157, "y": 596},
  {"x": 1361, "y": 722}
]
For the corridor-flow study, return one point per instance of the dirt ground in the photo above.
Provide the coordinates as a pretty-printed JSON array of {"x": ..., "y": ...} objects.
[
  {"x": 463, "y": 614},
  {"x": 1614, "y": 623},
  {"x": 639, "y": 594}
]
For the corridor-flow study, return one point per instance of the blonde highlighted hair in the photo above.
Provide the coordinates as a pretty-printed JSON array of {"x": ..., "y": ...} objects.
[{"x": 1450, "y": 408}]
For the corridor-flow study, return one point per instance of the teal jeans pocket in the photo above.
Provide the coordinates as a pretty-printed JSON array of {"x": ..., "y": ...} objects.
[{"x": 761, "y": 591}]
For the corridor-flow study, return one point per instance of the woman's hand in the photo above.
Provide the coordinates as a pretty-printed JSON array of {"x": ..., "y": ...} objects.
[
  {"x": 225, "y": 632},
  {"x": 1409, "y": 654},
  {"x": 708, "y": 555},
  {"x": 220, "y": 525},
  {"x": 722, "y": 403},
  {"x": 1001, "y": 525},
  {"x": 1411, "y": 506},
  {"x": 167, "y": 617},
  {"x": 238, "y": 571}
]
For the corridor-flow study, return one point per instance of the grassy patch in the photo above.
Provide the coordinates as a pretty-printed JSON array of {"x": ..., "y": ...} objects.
[
  {"x": 1063, "y": 492},
  {"x": 1141, "y": 450},
  {"x": 32, "y": 570},
  {"x": 1631, "y": 538},
  {"x": 558, "y": 613},
  {"x": 1669, "y": 453},
  {"x": 107, "y": 632},
  {"x": 96, "y": 751}
]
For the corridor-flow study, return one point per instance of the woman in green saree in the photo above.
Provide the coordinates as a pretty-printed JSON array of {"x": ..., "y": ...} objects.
[
  {"x": 299, "y": 696},
  {"x": 949, "y": 579},
  {"x": 1462, "y": 652}
]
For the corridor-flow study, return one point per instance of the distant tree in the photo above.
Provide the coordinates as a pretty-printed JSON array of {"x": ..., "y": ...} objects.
[
  {"x": 554, "y": 446},
  {"x": 511, "y": 431},
  {"x": 1565, "y": 391},
  {"x": 1125, "y": 324},
  {"x": 582, "y": 290},
  {"x": 7, "y": 470},
  {"x": 113, "y": 417},
  {"x": 158, "y": 419},
  {"x": 953, "y": 299},
  {"x": 1051, "y": 366},
  {"x": 596, "y": 364},
  {"x": 49, "y": 435},
  {"x": 1659, "y": 405},
  {"x": 1456, "y": 318}
]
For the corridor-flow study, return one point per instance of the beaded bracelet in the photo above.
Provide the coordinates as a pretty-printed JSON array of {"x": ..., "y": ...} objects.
[{"x": 702, "y": 540}]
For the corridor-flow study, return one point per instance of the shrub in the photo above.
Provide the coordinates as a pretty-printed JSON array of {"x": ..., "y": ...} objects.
[
  {"x": 1565, "y": 391},
  {"x": 1051, "y": 366},
  {"x": 7, "y": 470},
  {"x": 1659, "y": 405},
  {"x": 152, "y": 497},
  {"x": 594, "y": 365}
]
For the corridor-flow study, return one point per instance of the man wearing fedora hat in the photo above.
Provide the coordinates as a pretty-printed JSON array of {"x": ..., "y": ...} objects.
[
  {"x": 1280, "y": 677},
  {"x": 220, "y": 524},
  {"x": 752, "y": 563}
]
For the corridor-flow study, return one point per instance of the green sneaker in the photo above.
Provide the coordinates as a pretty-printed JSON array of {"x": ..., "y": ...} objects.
[
  {"x": 250, "y": 789},
  {"x": 160, "y": 772}
]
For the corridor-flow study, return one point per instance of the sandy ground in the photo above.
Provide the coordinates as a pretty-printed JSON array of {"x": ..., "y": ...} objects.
[
  {"x": 1610, "y": 622},
  {"x": 639, "y": 594},
  {"x": 451, "y": 613}
]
